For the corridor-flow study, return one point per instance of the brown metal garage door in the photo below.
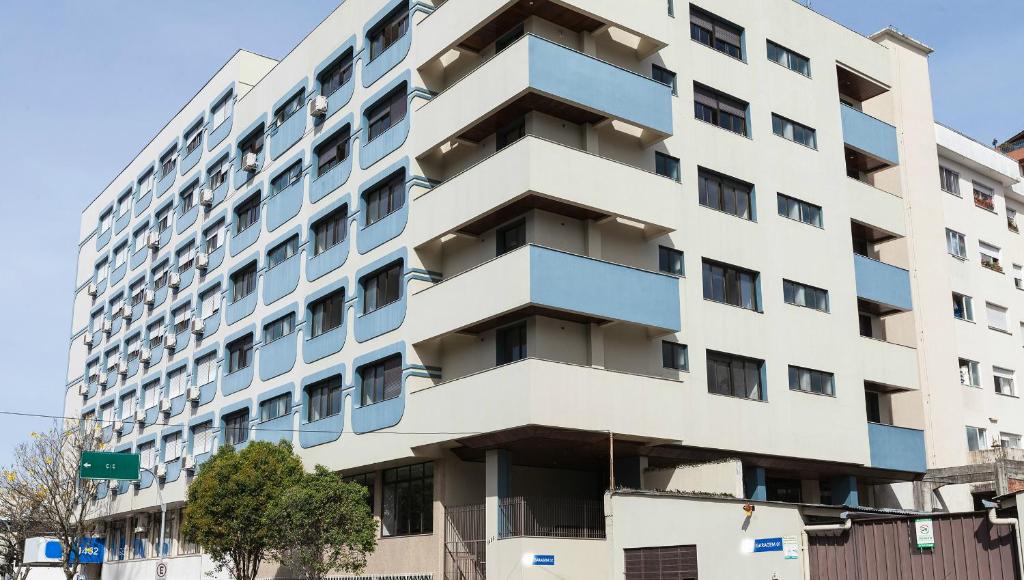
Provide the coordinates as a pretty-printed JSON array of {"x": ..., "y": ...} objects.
[
  {"x": 967, "y": 547},
  {"x": 662, "y": 563}
]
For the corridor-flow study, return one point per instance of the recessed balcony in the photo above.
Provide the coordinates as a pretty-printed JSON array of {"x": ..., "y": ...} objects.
[
  {"x": 883, "y": 285},
  {"x": 871, "y": 144},
  {"x": 897, "y": 448},
  {"x": 889, "y": 364}
]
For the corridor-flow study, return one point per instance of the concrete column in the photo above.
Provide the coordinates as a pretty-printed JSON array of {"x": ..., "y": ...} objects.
[
  {"x": 593, "y": 233},
  {"x": 595, "y": 357},
  {"x": 591, "y": 142},
  {"x": 588, "y": 43},
  {"x": 844, "y": 491},
  {"x": 496, "y": 488}
]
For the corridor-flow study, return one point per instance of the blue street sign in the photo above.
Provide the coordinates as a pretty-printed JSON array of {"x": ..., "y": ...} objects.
[
  {"x": 90, "y": 550},
  {"x": 543, "y": 559},
  {"x": 767, "y": 545}
]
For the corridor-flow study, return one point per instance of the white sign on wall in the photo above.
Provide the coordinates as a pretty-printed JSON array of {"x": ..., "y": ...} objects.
[{"x": 925, "y": 533}]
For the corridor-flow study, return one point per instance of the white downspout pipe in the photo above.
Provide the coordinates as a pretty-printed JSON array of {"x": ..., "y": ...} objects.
[
  {"x": 997, "y": 521},
  {"x": 805, "y": 541}
]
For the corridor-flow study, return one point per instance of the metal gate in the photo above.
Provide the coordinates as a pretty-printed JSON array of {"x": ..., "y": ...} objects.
[
  {"x": 465, "y": 543},
  {"x": 967, "y": 547}
]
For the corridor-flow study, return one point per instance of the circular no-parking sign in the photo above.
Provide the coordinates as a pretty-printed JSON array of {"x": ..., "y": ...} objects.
[{"x": 161, "y": 570}]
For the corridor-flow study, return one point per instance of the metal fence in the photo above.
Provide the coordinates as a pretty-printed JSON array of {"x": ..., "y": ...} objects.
[
  {"x": 552, "y": 517},
  {"x": 465, "y": 543},
  {"x": 365, "y": 577}
]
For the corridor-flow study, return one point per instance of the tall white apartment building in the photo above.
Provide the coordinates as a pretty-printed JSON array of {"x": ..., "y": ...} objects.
[{"x": 525, "y": 268}]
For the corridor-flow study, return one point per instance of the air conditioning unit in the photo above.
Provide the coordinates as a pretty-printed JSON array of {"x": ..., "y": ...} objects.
[
  {"x": 145, "y": 355},
  {"x": 197, "y": 326},
  {"x": 250, "y": 162},
  {"x": 108, "y": 325},
  {"x": 122, "y": 367},
  {"x": 91, "y": 289},
  {"x": 174, "y": 280},
  {"x": 190, "y": 463},
  {"x": 126, "y": 311},
  {"x": 206, "y": 197},
  {"x": 102, "y": 380},
  {"x": 113, "y": 484},
  {"x": 140, "y": 416},
  {"x": 149, "y": 297},
  {"x": 165, "y": 405},
  {"x": 83, "y": 389},
  {"x": 87, "y": 338},
  {"x": 318, "y": 106},
  {"x": 170, "y": 341},
  {"x": 118, "y": 426},
  {"x": 202, "y": 260},
  {"x": 153, "y": 239},
  {"x": 161, "y": 470},
  {"x": 193, "y": 394}
]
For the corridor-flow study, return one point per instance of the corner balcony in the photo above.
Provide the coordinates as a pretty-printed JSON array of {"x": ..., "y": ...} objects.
[
  {"x": 534, "y": 74},
  {"x": 897, "y": 448},
  {"x": 537, "y": 173},
  {"x": 538, "y": 280},
  {"x": 889, "y": 364},
  {"x": 882, "y": 284},
  {"x": 872, "y": 140}
]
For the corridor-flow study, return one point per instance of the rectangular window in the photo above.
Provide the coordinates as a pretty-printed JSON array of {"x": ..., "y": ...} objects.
[
  {"x": 726, "y": 194},
  {"x": 510, "y": 237},
  {"x": 963, "y": 307},
  {"x": 1004, "y": 382},
  {"x": 149, "y": 394},
  {"x": 209, "y": 303},
  {"x": 382, "y": 380},
  {"x": 804, "y": 295},
  {"x": 172, "y": 447},
  {"x": 236, "y": 427},
  {"x": 181, "y": 318},
  {"x": 214, "y": 237},
  {"x": 106, "y": 220},
  {"x": 1009, "y": 440},
  {"x": 240, "y": 354},
  {"x": 386, "y": 114},
  {"x": 719, "y": 109},
  {"x": 147, "y": 455},
  {"x": 984, "y": 197},
  {"x": 123, "y": 204},
  {"x": 1011, "y": 219},
  {"x": 155, "y": 332},
  {"x": 665, "y": 77},
  {"x": 949, "y": 180},
  {"x": 811, "y": 381},
  {"x": 167, "y": 162},
  {"x": 793, "y": 131},
  {"x": 977, "y": 438},
  {"x": 675, "y": 356},
  {"x": 202, "y": 438},
  {"x": 278, "y": 254},
  {"x": 330, "y": 230},
  {"x": 324, "y": 399},
  {"x": 388, "y": 32},
  {"x": 1018, "y": 276},
  {"x": 128, "y": 406},
  {"x": 163, "y": 219},
  {"x": 220, "y": 111},
  {"x": 286, "y": 178},
  {"x": 956, "y": 244},
  {"x": 710, "y": 30},
  {"x": 670, "y": 261},
  {"x": 735, "y": 376},
  {"x": 731, "y": 285},
  {"x": 132, "y": 346},
  {"x": 275, "y": 407},
  {"x": 176, "y": 382},
  {"x": 253, "y": 143},
  {"x": 138, "y": 292},
  {"x": 337, "y": 75},
  {"x": 193, "y": 138},
  {"x": 332, "y": 152},
  {"x": 328, "y": 313},
  {"x": 789, "y": 59},
  {"x": 366, "y": 480},
  {"x": 382, "y": 288},
  {"x": 511, "y": 343},
  {"x": 101, "y": 271},
  {"x": 120, "y": 255},
  {"x": 510, "y": 133},
  {"x": 667, "y": 166},
  {"x": 801, "y": 211},
  {"x": 139, "y": 238},
  {"x": 290, "y": 107},
  {"x": 146, "y": 184},
  {"x": 407, "y": 500},
  {"x": 206, "y": 369},
  {"x": 385, "y": 199},
  {"x": 990, "y": 256},
  {"x": 996, "y": 317},
  {"x": 279, "y": 328},
  {"x": 243, "y": 283},
  {"x": 217, "y": 174},
  {"x": 187, "y": 257}
]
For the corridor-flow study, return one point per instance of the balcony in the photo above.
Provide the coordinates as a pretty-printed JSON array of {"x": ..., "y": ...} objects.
[
  {"x": 534, "y": 74},
  {"x": 536, "y": 173},
  {"x": 882, "y": 284},
  {"x": 871, "y": 138},
  {"x": 889, "y": 364},
  {"x": 537, "y": 280},
  {"x": 897, "y": 448}
]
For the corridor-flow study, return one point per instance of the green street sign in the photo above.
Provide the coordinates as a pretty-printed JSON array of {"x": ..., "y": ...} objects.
[{"x": 106, "y": 465}]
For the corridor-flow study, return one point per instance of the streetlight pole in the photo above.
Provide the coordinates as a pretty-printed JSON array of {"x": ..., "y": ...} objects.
[{"x": 163, "y": 510}]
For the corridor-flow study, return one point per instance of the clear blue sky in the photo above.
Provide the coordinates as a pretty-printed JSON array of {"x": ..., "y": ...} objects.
[{"x": 85, "y": 85}]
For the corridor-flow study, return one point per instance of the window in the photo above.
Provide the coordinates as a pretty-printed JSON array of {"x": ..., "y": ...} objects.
[
  {"x": 132, "y": 347},
  {"x": 221, "y": 110},
  {"x": 106, "y": 220},
  {"x": 187, "y": 257},
  {"x": 214, "y": 237},
  {"x": 783, "y": 489},
  {"x": 665, "y": 77},
  {"x": 286, "y": 178},
  {"x": 719, "y": 109},
  {"x": 324, "y": 399},
  {"x": 128, "y": 406},
  {"x": 977, "y": 438},
  {"x": 202, "y": 438},
  {"x": 275, "y": 408},
  {"x": 181, "y": 318},
  {"x": 674, "y": 356},
  {"x": 671, "y": 8},
  {"x": 236, "y": 427},
  {"x": 120, "y": 255},
  {"x": 240, "y": 354},
  {"x": 172, "y": 446},
  {"x": 253, "y": 143},
  {"x": 1009, "y": 440},
  {"x": 282, "y": 252},
  {"x": 667, "y": 166},
  {"x": 101, "y": 271},
  {"x": 670, "y": 261},
  {"x": 789, "y": 59},
  {"x": 328, "y": 313},
  {"x": 950, "y": 180},
  {"x": 281, "y": 327},
  {"x": 801, "y": 211},
  {"x": 209, "y": 303},
  {"x": 290, "y": 107},
  {"x": 725, "y": 194},
  {"x": 217, "y": 174},
  {"x": 385, "y": 199},
  {"x": 388, "y": 32},
  {"x": 799, "y": 294},
  {"x": 106, "y": 415},
  {"x": 510, "y": 133},
  {"x": 506, "y": 39},
  {"x": 139, "y": 238},
  {"x": 511, "y": 343},
  {"x": 167, "y": 162},
  {"x": 330, "y": 230},
  {"x": 163, "y": 219},
  {"x": 243, "y": 282},
  {"x": 793, "y": 131},
  {"x": 1011, "y": 220},
  {"x": 731, "y": 285},
  {"x": 146, "y": 184},
  {"x": 956, "y": 244},
  {"x": 193, "y": 138},
  {"x": 386, "y": 114},
  {"x": 407, "y": 500},
  {"x": 337, "y": 75},
  {"x": 963, "y": 307},
  {"x": 176, "y": 382},
  {"x": 710, "y": 30},
  {"x": 811, "y": 381},
  {"x": 990, "y": 256},
  {"x": 382, "y": 288},
  {"x": 1018, "y": 276},
  {"x": 112, "y": 359},
  {"x": 996, "y": 317},
  {"x": 333, "y": 151},
  {"x": 381, "y": 380},
  {"x": 147, "y": 455},
  {"x": 149, "y": 394},
  {"x": 672, "y": 562},
  {"x": 984, "y": 197},
  {"x": 735, "y": 376},
  {"x": 206, "y": 369},
  {"x": 1003, "y": 379},
  {"x": 138, "y": 292},
  {"x": 155, "y": 332},
  {"x": 510, "y": 237}
]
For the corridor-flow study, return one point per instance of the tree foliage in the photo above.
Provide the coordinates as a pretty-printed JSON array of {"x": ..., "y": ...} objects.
[{"x": 323, "y": 524}]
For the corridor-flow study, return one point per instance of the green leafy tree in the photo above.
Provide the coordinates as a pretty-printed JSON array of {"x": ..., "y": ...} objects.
[
  {"x": 323, "y": 524},
  {"x": 228, "y": 504}
]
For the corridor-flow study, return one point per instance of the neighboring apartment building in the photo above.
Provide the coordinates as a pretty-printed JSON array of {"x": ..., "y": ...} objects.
[
  {"x": 474, "y": 254},
  {"x": 1014, "y": 148}
]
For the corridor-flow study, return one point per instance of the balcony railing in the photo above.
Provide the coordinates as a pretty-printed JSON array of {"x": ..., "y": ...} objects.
[{"x": 550, "y": 517}]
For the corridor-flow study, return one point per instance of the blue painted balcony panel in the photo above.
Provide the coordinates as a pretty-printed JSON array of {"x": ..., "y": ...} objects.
[
  {"x": 882, "y": 283},
  {"x": 870, "y": 135},
  {"x": 897, "y": 448}
]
